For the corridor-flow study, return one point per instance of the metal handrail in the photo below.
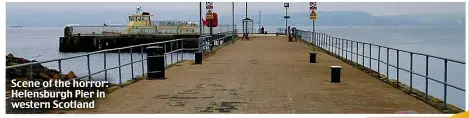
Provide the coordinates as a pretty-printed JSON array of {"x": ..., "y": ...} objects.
[
  {"x": 104, "y": 52},
  {"x": 452, "y": 60},
  {"x": 91, "y": 53},
  {"x": 336, "y": 46}
]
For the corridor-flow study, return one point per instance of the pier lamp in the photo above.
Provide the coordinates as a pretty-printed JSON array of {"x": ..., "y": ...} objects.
[{"x": 233, "y": 18}]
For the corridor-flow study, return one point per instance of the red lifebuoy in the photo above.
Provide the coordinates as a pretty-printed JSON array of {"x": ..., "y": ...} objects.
[{"x": 215, "y": 20}]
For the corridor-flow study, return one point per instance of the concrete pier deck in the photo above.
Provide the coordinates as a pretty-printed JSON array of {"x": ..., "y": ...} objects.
[{"x": 262, "y": 75}]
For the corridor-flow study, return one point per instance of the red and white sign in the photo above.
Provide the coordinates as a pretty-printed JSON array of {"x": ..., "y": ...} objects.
[
  {"x": 312, "y": 6},
  {"x": 209, "y": 5}
]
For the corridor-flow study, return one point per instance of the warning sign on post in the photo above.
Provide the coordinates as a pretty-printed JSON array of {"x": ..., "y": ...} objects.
[
  {"x": 313, "y": 15},
  {"x": 209, "y": 15}
]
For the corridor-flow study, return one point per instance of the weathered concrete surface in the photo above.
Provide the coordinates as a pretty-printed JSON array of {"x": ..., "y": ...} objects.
[{"x": 262, "y": 75}]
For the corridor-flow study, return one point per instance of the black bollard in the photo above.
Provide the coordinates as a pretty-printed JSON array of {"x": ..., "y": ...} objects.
[
  {"x": 155, "y": 62},
  {"x": 335, "y": 74},
  {"x": 312, "y": 57},
  {"x": 198, "y": 57}
]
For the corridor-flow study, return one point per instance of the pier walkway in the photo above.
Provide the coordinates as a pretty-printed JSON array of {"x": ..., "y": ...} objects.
[{"x": 262, "y": 75}]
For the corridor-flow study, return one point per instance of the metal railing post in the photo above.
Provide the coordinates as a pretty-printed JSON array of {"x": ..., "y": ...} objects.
[
  {"x": 323, "y": 42},
  {"x": 164, "y": 54},
  {"x": 318, "y": 41},
  {"x": 370, "y": 57},
  {"x": 315, "y": 39},
  {"x": 387, "y": 63},
  {"x": 339, "y": 48},
  {"x": 143, "y": 65},
  {"x": 333, "y": 45},
  {"x": 346, "y": 49},
  {"x": 89, "y": 69},
  {"x": 318, "y": 36},
  {"x": 351, "y": 50},
  {"x": 379, "y": 59},
  {"x": 171, "y": 50},
  {"x": 182, "y": 47},
  {"x": 397, "y": 68},
  {"x": 326, "y": 43},
  {"x": 120, "y": 71},
  {"x": 357, "y": 54},
  {"x": 336, "y": 45},
  {"x": 342, "y": 44},
  {"x": 363, "y": 54},
  {"x": 330, "y": 44},
  {"x": 426, "y": 77},
  {"x": 132, "y": 62},
  {"x": 105, "y": 68},
  {"x": 446, "y": 83},
  {"x": 411, "y": 71}
]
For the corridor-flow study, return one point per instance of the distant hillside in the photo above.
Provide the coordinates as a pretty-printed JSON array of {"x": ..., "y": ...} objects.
[
  {"x": 355, "y": 18},
  {"x": 326, "y": 18}
]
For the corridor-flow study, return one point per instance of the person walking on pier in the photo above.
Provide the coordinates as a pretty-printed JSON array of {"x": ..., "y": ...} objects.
[
  {"x": 294, "y": 36},
  {"x": 288, "y": 33},
  {"x": 246, "y": 36},
  {"x": 262, "y": 30}
]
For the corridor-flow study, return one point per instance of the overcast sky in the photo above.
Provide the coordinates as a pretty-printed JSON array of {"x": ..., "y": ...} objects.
[{"x": 383, "y": 8}]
